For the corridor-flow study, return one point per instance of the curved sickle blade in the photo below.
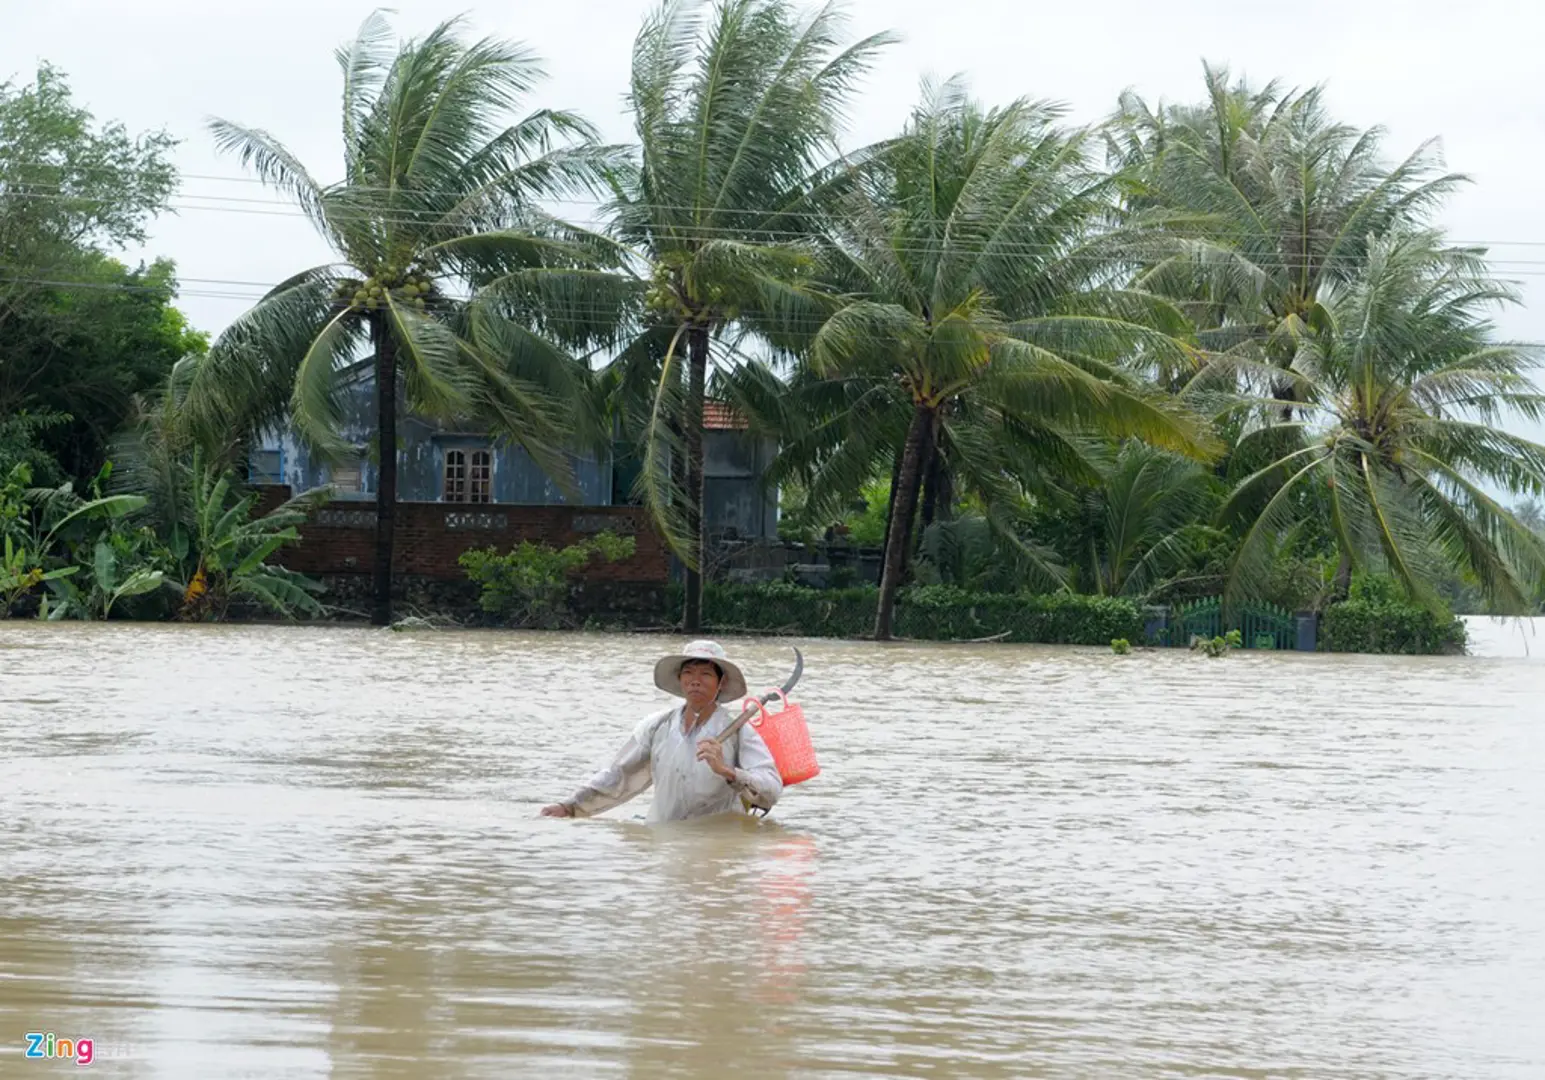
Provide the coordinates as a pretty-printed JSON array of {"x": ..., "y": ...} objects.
[{"x": 799, "y": 669}]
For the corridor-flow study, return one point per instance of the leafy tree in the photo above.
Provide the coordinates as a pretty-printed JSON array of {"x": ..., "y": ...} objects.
[
  {"x": 67, "y": 185},
  {"x": 80, "y": 333},
  {"x": 20, "y": 445},
  {"x": 77, "y": 355}
]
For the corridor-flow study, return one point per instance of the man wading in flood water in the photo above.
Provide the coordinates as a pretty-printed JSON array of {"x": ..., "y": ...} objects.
[{"x": 676, "y": 752}]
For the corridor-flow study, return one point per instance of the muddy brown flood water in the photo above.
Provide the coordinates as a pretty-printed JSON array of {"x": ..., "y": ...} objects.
[{"x": 248, "y": 851}]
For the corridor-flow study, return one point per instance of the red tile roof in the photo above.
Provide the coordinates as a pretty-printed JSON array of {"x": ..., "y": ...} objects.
[{"x": 717, "y": 416}]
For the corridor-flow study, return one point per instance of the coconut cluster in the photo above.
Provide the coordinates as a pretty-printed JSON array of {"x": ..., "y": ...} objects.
[
  {"x": 662, "y": 297},
  {"x": 408, "y": 287}
]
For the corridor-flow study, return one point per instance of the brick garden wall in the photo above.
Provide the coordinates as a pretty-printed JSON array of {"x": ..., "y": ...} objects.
[{"x": 430, "y": 537}]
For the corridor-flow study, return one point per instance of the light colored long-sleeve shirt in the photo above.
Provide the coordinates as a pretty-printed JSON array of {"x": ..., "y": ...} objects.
[{"x": 661, "y": 753}]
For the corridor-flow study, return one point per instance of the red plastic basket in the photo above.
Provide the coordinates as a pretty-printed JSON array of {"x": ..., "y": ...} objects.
[{"x": 788, "y": 738}]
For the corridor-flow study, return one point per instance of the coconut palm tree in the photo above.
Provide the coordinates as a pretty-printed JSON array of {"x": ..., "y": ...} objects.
[
  {"x": 1401, "y": 388},
  {"x": 439, "y": 195},
  {"x": 984, "y": 328},
  {"x": 1270, "y": 204},
  {"x": 736, "y": 108},
  {"x": 1143, "y": 521}
]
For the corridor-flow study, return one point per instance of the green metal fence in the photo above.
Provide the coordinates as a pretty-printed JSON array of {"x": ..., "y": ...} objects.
[
  {"x": 1267, "y": 626},
  {"x": 1261, "y": 626}
]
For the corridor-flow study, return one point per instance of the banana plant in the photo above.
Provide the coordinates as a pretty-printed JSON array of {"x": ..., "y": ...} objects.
[
  {"x": 112, "y": 588},
  {"x": 118, "y": 569},
  {"x": 223, "y": 551},
  {"x": 44, "y": 526},
  {"x": 38, "y": 517},
  {"x": 21, "y": 571},
  {"x": 110, "y": 577}
]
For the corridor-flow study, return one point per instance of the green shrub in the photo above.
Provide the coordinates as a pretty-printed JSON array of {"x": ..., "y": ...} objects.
[
  {"x": 782, "y": 607},
  {"x": 867, "y": 526},
  {"x": 1378, "y": 618},
  {"x": 1367, "y": 626},
  {"x": 529, "y": 586},
  {"x": 927, "y": 613},
  {"x": 1219, "y": 646},
  {"x": 942, "y": 612}
]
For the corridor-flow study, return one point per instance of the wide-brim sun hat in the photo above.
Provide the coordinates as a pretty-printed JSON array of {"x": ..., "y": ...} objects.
[{"x": 667, "y": 670}]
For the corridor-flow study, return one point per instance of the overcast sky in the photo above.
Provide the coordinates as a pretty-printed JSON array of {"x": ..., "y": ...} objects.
[{"x": 1467, "y": 73}]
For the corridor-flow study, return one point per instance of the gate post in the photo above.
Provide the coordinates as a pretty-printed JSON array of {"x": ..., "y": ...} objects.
[{"x": 1308, "y": 625}]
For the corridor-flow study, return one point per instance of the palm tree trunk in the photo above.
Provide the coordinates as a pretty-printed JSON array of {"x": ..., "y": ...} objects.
[
  {"x": 930, "y": 491},
  {"x": 1342, "y": 585},
  {"x": 890, "y": 510},
  {"x": 386, "y": 490},
  {"x": 933, "y": 485},
  {"x": 903, "y": 503},
  {"x": 697, "y": 354},
  {"x": 927, "y": 484}
]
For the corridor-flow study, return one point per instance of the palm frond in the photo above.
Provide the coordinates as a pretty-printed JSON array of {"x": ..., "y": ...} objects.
[
  {"x": 364, "y": 64},
  {"x": 866, "y": 337},
  {"x": 315, "y": 411},
  {"x": 1506, "y": 557},
  {"x": 246, "y": 381},
  {"x": 576, "y": 306},
  {"x": 1251, "y": 563},
  {"x": 663, "y": 446},
  {"x": 1025, "y": 377},
  {"x": 436, "y": 382},
  {"x": 278, "y": 167}
]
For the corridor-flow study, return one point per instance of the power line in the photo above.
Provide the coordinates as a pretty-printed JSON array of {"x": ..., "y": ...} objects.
[
  {"x": 559, "y": 200},
  {"x": 407, "y": 215},
  {"x": 1058, "y": 253}
]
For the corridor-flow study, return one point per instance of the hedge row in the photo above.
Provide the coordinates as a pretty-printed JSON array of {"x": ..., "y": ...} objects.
[
  {"x": 926, "y": 613},
  {"x": 1369, "y": 622},
  {"x": 1381, "y": 625}
]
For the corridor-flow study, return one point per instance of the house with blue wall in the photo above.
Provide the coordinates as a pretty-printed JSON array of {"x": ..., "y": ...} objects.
[{"x": 437, "y": 462}]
